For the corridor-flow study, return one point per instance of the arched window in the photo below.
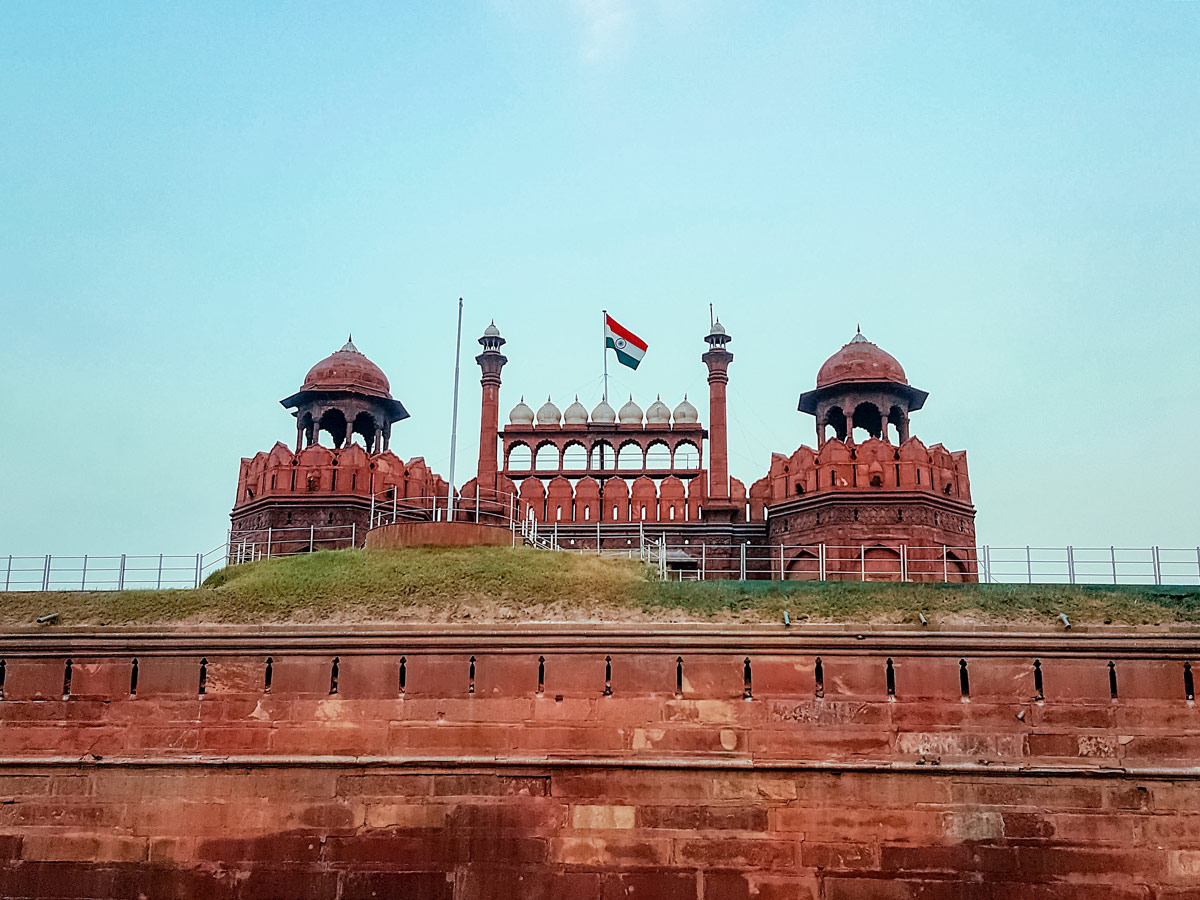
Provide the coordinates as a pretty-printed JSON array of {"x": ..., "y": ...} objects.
[
  {"x": 658, "y": 456},
  {"x": 687, "y": 456},
  {"x": 520, "y": 458},
  {"x": 604, "y": 457},
  {"x": 867, "y": 421},
  {"x": 547, "y": 458},
  {"x": 574, "y": 457},
  {"x": 629, "y": 457}
]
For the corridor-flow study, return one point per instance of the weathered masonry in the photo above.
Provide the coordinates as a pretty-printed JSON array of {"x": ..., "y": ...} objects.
[{"x": 599, "y": 763}]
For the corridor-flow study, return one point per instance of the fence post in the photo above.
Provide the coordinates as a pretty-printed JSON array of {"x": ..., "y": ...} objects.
[
  {"x": 742, "y": 566},
  {"x": 121, "y": 574},
  {"x": 862, "y": 562},
  {"x": 945, "y": 565},
  {"x": 1071, "y": 563},
  {"x": 703, "y": 562},
  {"x": 312, "y": 538},
  {"x": 1113, "y": 552},
  {"x": 1029, "y": 563},
  {"x": 904, "y": 562},
  {"x": 394, "y": 504},
  {"x": 371, "y": 520},
  {"x": 269, "y": 537},
  {"x": 199, "y": 567},
  {"x": 781, "y": 561},
  {"x": 598, "y": 532},
  {"x": 83, "y": 577},
  {"x": 353, "y": 535},
  {"x": 160, "y": 560},
  {"x": 1157, "y": 565},
  {"x": 8, "y": 571},
  {"x": 46, "y": 574},
  {"x": 1197, "y": 562},
  {"x": 821, "y": 562},
  {"x": 987, "y": 560}
]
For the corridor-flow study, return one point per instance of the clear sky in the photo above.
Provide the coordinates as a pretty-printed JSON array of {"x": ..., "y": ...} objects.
[{"x": 198, "y": 201}]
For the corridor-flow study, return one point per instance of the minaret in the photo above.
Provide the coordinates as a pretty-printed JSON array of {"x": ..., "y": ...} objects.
[
  {"x": 717, "y": 359},
  {"x": 491, "y": 361}
]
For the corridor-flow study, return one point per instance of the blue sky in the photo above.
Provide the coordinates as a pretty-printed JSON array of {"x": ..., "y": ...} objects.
[{"x": 201, "y": 200}]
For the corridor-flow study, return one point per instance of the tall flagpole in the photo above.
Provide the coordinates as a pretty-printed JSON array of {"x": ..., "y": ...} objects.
[
  {"x": 454, "y": 419},
  {"x": 604, "y": 344}
]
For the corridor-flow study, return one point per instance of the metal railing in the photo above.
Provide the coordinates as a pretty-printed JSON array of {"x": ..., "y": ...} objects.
[
  {"x": 911, "y": 563},
  {"x": 485, "y": 507},
  {"x": 57, "y": 572},
  {"x": 250, "y": 545},
  {"x": 692, "y": 560}
]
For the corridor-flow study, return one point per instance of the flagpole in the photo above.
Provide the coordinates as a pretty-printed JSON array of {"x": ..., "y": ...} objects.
[
  {"x": 454, "y": 419},
  {"x": 604, "y": 344}
]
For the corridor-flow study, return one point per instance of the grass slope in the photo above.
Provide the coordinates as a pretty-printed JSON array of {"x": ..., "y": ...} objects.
[{"x": 498, "y": 584}]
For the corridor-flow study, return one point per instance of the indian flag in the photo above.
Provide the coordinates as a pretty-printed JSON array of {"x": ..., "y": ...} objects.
[{"x": 630, "y": 348}]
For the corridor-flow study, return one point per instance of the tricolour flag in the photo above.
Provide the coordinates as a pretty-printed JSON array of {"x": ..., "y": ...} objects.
[{"x": 630, "y": 348}]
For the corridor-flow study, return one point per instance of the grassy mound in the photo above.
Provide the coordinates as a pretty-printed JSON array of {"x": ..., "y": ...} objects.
[{"x": 501, "y": 584}]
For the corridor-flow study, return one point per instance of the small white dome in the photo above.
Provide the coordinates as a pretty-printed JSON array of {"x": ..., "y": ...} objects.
[
  {"x": 521, "y": 414},
  {"x": 549, "y": 414},
  {"x": 685, "y": 413},
  {"x": 631, "y": 413},
  {"x": 717, "y": 328},
  {"x": 491, "y": 330},
  {"x": 658, "y": 413},
  {"x": 576, "y": 413},
  {"x": 603, "y": 414}
]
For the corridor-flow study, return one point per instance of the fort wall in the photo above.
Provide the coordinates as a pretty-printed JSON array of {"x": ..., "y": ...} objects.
[{"x": 599, "y": 763}]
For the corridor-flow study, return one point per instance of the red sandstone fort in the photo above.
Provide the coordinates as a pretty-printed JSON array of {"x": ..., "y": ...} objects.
[
  {"x": 582, "y": 761},
  {"x": 886, "y": 507}
]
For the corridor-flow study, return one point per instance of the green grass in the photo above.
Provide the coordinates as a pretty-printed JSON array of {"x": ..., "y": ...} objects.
[{"x": 500, "y": 584}]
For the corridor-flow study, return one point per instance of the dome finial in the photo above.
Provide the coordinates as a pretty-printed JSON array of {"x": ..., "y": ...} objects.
[{"x": 349, "y": 345}]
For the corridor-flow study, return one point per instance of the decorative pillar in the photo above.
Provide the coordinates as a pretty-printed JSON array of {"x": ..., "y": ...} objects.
[
  {"x": 902, "y": 427},
  {"x": 299, "y": 434},
  {"x": 850, "y": 427},
  {"x": 717, "y": 359},
  {"x": 491, "y": 361}
]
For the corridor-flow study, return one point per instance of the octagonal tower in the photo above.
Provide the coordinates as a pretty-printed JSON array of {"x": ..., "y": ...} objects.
[{"x": 880, "y": 505}]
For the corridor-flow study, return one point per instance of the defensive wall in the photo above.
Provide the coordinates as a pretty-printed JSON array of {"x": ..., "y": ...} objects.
[{"x": 599, "y": 762}]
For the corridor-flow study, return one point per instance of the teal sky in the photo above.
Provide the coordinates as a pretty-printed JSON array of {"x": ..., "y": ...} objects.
[{"x": 199, "y": 201}]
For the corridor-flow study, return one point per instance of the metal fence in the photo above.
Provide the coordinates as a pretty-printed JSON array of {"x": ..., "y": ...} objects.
[
  {"x": 908, "y": 563},
  {"x": 690, "y": 560},
  {"x": 56, "y": 572},
  {"x": 250, "y": 545}
]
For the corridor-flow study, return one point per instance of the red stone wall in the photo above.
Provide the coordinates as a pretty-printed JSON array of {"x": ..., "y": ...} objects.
[
  {"x": 520, "y": 776},
  {"x": 325, "y": 489}
]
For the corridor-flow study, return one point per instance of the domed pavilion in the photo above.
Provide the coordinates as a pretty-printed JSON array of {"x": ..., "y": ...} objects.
[{"x": 343, "y": 395}]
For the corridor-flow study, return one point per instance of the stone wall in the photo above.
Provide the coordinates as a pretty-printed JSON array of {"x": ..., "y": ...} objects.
[{"x": 599, "y": 763}]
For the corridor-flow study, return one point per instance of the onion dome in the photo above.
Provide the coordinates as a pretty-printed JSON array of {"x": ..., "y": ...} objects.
[
  {"x": 576, "y": 413},
  {"x": 347, "y": 370},
  {"x": 549, "y": 414},
  {"x": 521, "y": 414},
  {"x": 603, "y": 414},
  {"x": 631, "y": 413},
  {"x": 685, "y": 413},
  {"x": 717, "y": 336},
  {"x": 860, "y": 360},
  {"x": 658, "y": 413},
  {"x": 491, "y": 340}
]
